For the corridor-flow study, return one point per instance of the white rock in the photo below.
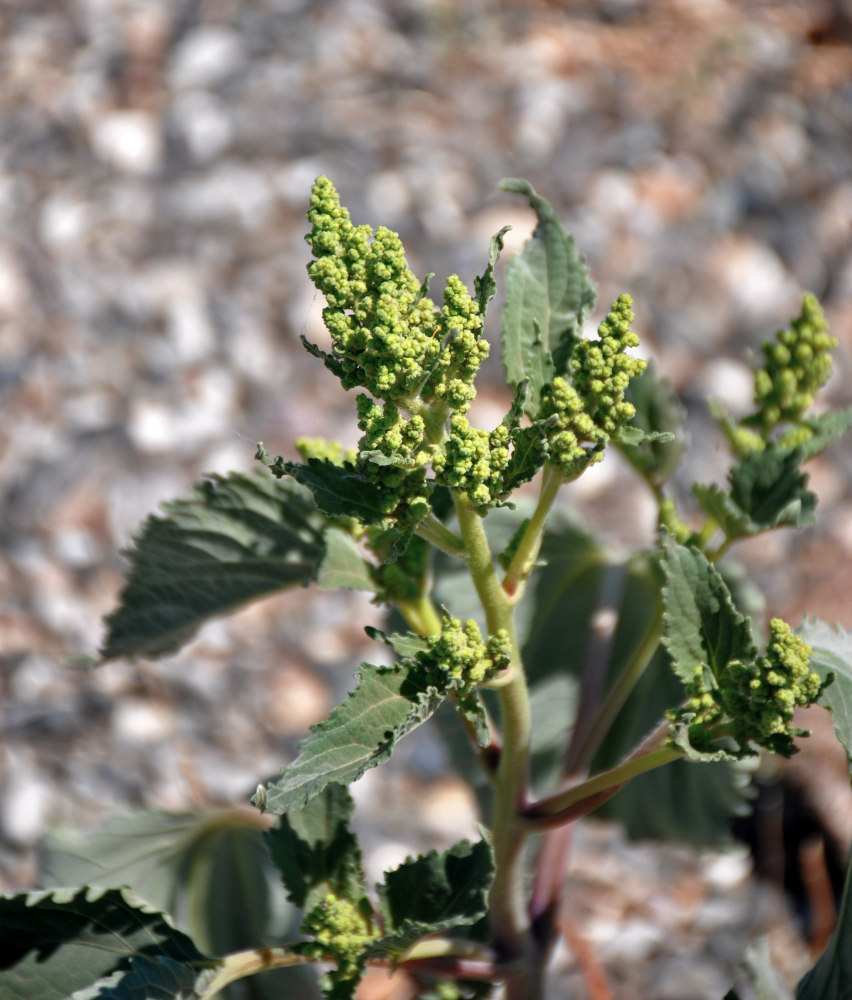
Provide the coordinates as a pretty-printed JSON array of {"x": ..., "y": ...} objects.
[
  {"x": 129, "y": 141},
  {"x": 26, "y": 802},
  {"x": 204, "y": 123},
  {"x": 206, "y": 57}
]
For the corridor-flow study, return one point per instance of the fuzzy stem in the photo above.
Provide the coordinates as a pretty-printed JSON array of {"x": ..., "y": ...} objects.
[
  {"x": 433, "y": 531},
  {"x": 509, "y": 918},
  {"x": 248, "y": 963},
  {"x": 527, "y": 552}
]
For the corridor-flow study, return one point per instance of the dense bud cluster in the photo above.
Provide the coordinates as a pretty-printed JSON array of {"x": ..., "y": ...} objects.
[
  {"x": 342, "y": 932},
  {"x": 796, "y": 364},
  {"x": 387, "y": 334},
  {"x": 754, "y": 702},
  {"x": 461, "y": 655},
  {"x": 473, "y": 460},
  {"x": 325, "y": 450}
]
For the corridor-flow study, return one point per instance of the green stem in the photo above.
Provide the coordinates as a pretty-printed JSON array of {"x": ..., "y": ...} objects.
[
  {"x": 565, "y": 806},
  {"x": 433, "y": 531},
  {"x": 421, "y": 615},
  {"x": 248, "y": 963},
  {"x": 527, "y": 552},
  {"x": 509, "y": 917}
]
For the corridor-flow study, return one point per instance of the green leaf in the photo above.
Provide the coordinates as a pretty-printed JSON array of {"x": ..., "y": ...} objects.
[
  {"x": 831, "y": 656},
  {"x": 828, "y": 429},
  {"x": 95, "y": 943},
  {"x": 831, "y": 977},
  {"x": 732, "y": 520},
  {"x": 485, "y": 286},
  {"x": 209, "y": 870},
  {"x": 405, "y": 644},
  {"x": 329, "y": 360},
  {"x": 770, "y": 487},
  {"x": 387, "y": 704},
  {"x": 658, "y": 411},
  {"x": 315, "y": 851},
  {"x": 549, "y": 294},
  {"x": 237, "y": 539},
  {"x": 433, "y": 893},
  {"x": 529, "y": 452},
  {"x": 702, "y": 626},
  {"x": 342, "y": 566},
  {"x": 339, "y": 490}
]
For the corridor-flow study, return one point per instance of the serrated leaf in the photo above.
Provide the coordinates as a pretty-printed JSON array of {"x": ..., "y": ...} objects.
[
  {"x": 733, "y": 522},
  {"x": 237, "y": 539},
  {"x": 388, "y": 703},
  {"x": 828, "y": 429},
  {"x": 702, "y": 626},
  {"x": 529, "y": 452},
  {"x": 315, "y": 851},
  {"x": 434, "y": 892},
  {"x": 329, "y": 360},
  {"x": 485, "y": 286},
  {"x": 91, "y": 942},
  {"x": 831, "y": 977},
  {"x": 658, "y": 411},
  {"x": 405, "y": 644},
  {"x": 342, "y": 567},
  {"x": 549, "y": 294},
  {"x": 831, "y": 655},
  {"x": 770, "y": 487},
  {"x": 339, "y": 490}
]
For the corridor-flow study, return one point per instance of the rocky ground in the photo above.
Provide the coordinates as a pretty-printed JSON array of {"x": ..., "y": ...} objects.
[{"x": 155, "y": 161}]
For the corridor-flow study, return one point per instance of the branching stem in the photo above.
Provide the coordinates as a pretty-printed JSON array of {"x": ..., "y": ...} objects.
[{"x": 527, "y": 552}]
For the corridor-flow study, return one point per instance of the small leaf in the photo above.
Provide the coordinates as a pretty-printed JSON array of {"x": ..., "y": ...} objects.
[
  {"x": 387, "y": 704},
  {"x": 658, "y": 411},
  {"x": 733, "y": 522},
  {"x": 89, "y": 942},
  {"x": 433, "y": 893},
  {"x": 237, "y": 539},
  {"x": 702, "y": 626},
  {"x": 549, "y": 294},
  {"x": 329, "y": 360},
  {"x": 339, "y": 491},
  {"x": 406, "y": 645},
  {"x": 485, "y": 286},
  {"x": 831, "y": 656},
  {"x": 827, "y": 429},
  {"x": 315, "y": 851},
  {"x": 342, "y": 566},
  {"x": 769, "y": 486}
]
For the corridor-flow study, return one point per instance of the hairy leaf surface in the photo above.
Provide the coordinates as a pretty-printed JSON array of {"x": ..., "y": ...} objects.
[
  {"x": 387, "y": 704},
  {"x": 549, "y": 295},
  {"x": 702, "y": 626},
  {"x": 95, "y": 943},
  {"x": 433, "y": 893},
  {"x": 237, "y": 539},
  {"x": 342, "y": 566},
  {"x": 315, "y": 851},
  {"x": 339, "y": 490}
]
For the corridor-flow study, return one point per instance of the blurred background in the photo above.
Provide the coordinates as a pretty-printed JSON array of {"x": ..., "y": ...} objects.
[{"x": 155, "y": 164}]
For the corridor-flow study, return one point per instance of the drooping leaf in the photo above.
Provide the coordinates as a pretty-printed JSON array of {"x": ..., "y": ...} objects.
[
  {"x": 831, "y": 655},
  {"x": 485, "y": 286},
  {"x": 329, "y": 360},
  {"x": 237, "y": 539},
  {"x": 315, "y": 851},
  {"x": 95, "y": 943},
  {"x": 702, "y": 625},
  {"x": 342, "y": 566},
  {"x": 831, "y": 977},
  {"x": 388, "y": 703},
  {"x": 339, "y": 490},
  {"x": 434, "y": 892},
  {"x": 658, "y": 410},
  {"x": 549, "y": 294}
]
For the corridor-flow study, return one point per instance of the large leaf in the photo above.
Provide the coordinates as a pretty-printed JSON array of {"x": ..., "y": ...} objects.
[
  {"x": 315, "y": 852},
  {"x": 831, "y": 655},
  {"x": 549, "y": 294},
  {"x": 342, "y": 566},
  {"x": 433, "y": 893},
  {"x": 388, "y": 703},
  {"x": 237, "y": 539},
  {"x": 702, "y": 625},
  {"x": 210, "y": 871},
  {"x": 95, "y": 943},
  {"x": 831, "y": 977}
]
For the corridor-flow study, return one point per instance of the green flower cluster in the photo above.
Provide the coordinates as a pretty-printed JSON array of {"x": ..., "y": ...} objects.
[
  {"x": 753, "y": 703},
  {"x": 325, "y": 450},
  {"x": 796, "y": 365},
  {"x": 461, "y": 656},
  {"x": 342, "y": 931},
  {"x": 579, "y": 415},
  {"x": 387, "y": 334},
  {"x": 473, "y": 460}
]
